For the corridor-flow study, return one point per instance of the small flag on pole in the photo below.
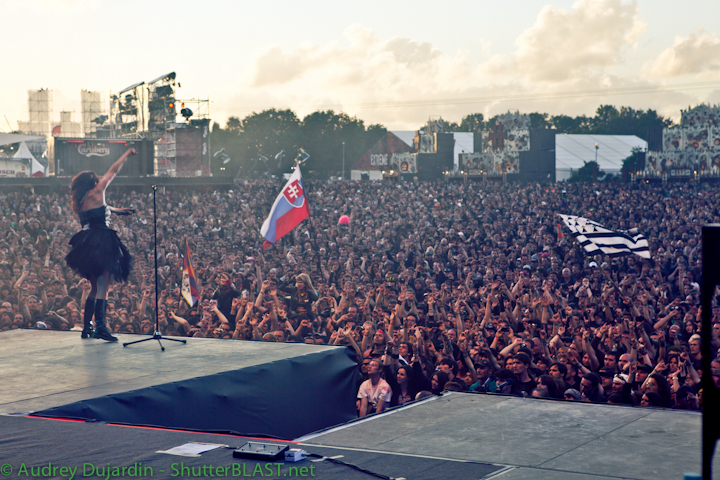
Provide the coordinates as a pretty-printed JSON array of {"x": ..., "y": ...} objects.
[
  {"x": 302, "y": 156},
  {"x": 279, "y": 157},
  {"x": 288, "y": 211},
  {"x": 595, "y": 238},
  {"x": 189, "y": 280}
]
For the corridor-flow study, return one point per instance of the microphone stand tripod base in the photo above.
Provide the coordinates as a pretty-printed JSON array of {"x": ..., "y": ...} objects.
[{"x": 156, "y": 336}]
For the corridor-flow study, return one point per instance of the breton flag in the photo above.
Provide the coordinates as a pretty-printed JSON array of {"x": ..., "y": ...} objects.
[
  {"x": 189, "y": 280},
  {"x": 290, "y": 208},
  {"x": 595, "y": 238}
]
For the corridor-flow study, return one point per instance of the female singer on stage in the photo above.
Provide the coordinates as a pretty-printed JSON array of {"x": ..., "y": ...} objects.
[{"x": 97, "y": 252}]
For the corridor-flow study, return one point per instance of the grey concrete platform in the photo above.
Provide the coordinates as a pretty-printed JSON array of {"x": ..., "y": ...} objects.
[
  {"x": 534, "y": 438},
  {"x": 525, "y": 438},
  {"x": 44, "y": 369}
]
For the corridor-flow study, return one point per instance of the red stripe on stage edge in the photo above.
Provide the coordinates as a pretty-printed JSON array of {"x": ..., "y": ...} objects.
[
  {"x": 75, "y": 141},
  {"x": 265, "y": 439},
  {"x": 57, "y": 419}
]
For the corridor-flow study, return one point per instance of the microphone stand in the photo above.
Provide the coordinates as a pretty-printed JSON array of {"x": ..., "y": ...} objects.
[{"x": 156, "y": 336}]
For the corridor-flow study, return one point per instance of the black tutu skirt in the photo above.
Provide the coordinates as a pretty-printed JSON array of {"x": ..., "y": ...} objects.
[{"x": 96, "y": 250}]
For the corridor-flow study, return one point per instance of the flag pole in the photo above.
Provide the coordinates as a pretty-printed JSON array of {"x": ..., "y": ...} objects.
[
  {"x": 189, "y": 280},
  {"x": 289, "y": 209}
]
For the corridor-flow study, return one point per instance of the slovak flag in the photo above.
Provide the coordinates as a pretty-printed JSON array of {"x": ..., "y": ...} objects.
[
  {"x": 189, "y": 280},
  {"x": 290, "y": 208}
]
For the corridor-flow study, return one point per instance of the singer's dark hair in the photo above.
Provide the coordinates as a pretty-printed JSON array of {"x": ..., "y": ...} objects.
[{"x": 81, "y": 184}]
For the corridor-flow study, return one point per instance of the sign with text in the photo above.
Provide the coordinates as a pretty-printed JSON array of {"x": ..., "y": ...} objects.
[
  {"x": 74, "y": 155},
  {"x": 13, "y": 168}
]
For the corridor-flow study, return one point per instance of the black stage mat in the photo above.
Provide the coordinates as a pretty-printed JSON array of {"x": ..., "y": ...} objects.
[
  {"x": 91, "y": 448},
  {"x": 285, "y": 398},
  {"x": 247, "y": 388}
]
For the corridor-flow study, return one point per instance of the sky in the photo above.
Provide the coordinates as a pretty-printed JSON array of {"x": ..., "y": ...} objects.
[{"x": 389, "y": 62}]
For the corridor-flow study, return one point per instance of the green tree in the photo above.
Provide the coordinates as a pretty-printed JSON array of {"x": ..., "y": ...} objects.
[
  {"x": 265, "y": 133},
  {"x": 608, "y": 120},
  {"x": 322, "y": 137},
  {"x": 451, "y": 126},
  {"x": 227, "y": 138},
  {"x": 630, "y": 163},
  {"x": 606, "y": 117},
  {"x": 635, "y": 122},
  {"x": 475, "y": 122},
  {"x": 589, "y": 172},
  {"x": 320, "y": 134},
  {"x": 469, "y": 123},
  {"x": 539, "y": 120},
  {"x": 234, "y": 125},
  {"x": 570, "y": 125}
]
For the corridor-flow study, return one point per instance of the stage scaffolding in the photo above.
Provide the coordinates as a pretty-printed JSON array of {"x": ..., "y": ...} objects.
[
  {"x": 40, "y": 113},
  {"x": 128, "y": 112},
  {"x": 91, "y": 110},
  {"x": 68, "y": 128},
  {"x": 150, "y": 110},
  {"x": 40, "y": 109}
]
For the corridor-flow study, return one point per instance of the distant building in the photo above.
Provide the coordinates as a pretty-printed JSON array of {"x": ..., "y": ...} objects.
[
  {"x": 511, "y": 149},
  {"x": 573, "y": 151},
  {"x": 691, "y": 149}
]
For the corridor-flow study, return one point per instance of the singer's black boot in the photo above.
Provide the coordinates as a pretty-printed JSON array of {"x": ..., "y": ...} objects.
[
  {"x": 87, "y": 331},
  {"x": 101, "y": 330}
]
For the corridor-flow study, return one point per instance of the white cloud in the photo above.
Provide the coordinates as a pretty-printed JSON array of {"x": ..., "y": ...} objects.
[
  {"x": 367, "y": 62},
  {"x": 53, "y": 6},
  {"x": 564, "y": 44},
  {"x": 694, "y": 54},
  {"x": 366, "y": 70},
  {"x": 400, "y": 82}
]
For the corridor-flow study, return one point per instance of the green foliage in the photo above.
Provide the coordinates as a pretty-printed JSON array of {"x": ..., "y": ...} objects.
[
  {"x": 589, "y": 172},
  {"x": 475, "y": 122},
  {"x": 539, "y": 120},
  {"x": 490, "y": 123},
  {"x": 608, "y": 120},
  {"x": 266, "y": 133},
  {"x": 566, "y": 124},
  {"x": 470, "y": 123},
  {"x": 452, "y": 127},
  {"x": 629, "y": 164},
  {"x": 321, "y": 134}
]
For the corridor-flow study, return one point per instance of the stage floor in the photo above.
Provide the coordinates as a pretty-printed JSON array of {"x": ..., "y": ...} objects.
[
  {"x": 45, "y": 369},
  {"x": 533, "y": 438},
  {"x": 458, "y": 436},
  {"x": 88, "y": 447}
]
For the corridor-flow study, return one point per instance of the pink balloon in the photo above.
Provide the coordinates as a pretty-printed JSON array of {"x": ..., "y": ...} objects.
[{"x": 344, "y": 220}]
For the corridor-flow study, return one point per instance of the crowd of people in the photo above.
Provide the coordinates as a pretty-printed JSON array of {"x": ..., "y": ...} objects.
[{"x": 435, "y": 286}]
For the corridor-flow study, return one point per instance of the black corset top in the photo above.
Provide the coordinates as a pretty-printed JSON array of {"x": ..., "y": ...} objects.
[{"x": 95, "y": 217}]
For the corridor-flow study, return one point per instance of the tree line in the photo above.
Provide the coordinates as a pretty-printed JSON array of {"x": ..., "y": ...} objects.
[
  {"x": 608, "y": 120},
  {"x": 267, "y": 143}
]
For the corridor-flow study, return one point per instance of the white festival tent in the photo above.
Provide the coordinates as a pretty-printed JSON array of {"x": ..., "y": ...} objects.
[
  {"x": 572, "y": 151},
  {"x": 24, "y": 153}
]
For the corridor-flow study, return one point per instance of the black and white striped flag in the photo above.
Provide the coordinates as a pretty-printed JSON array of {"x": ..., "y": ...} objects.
[{"x": 595, "y": 238}]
